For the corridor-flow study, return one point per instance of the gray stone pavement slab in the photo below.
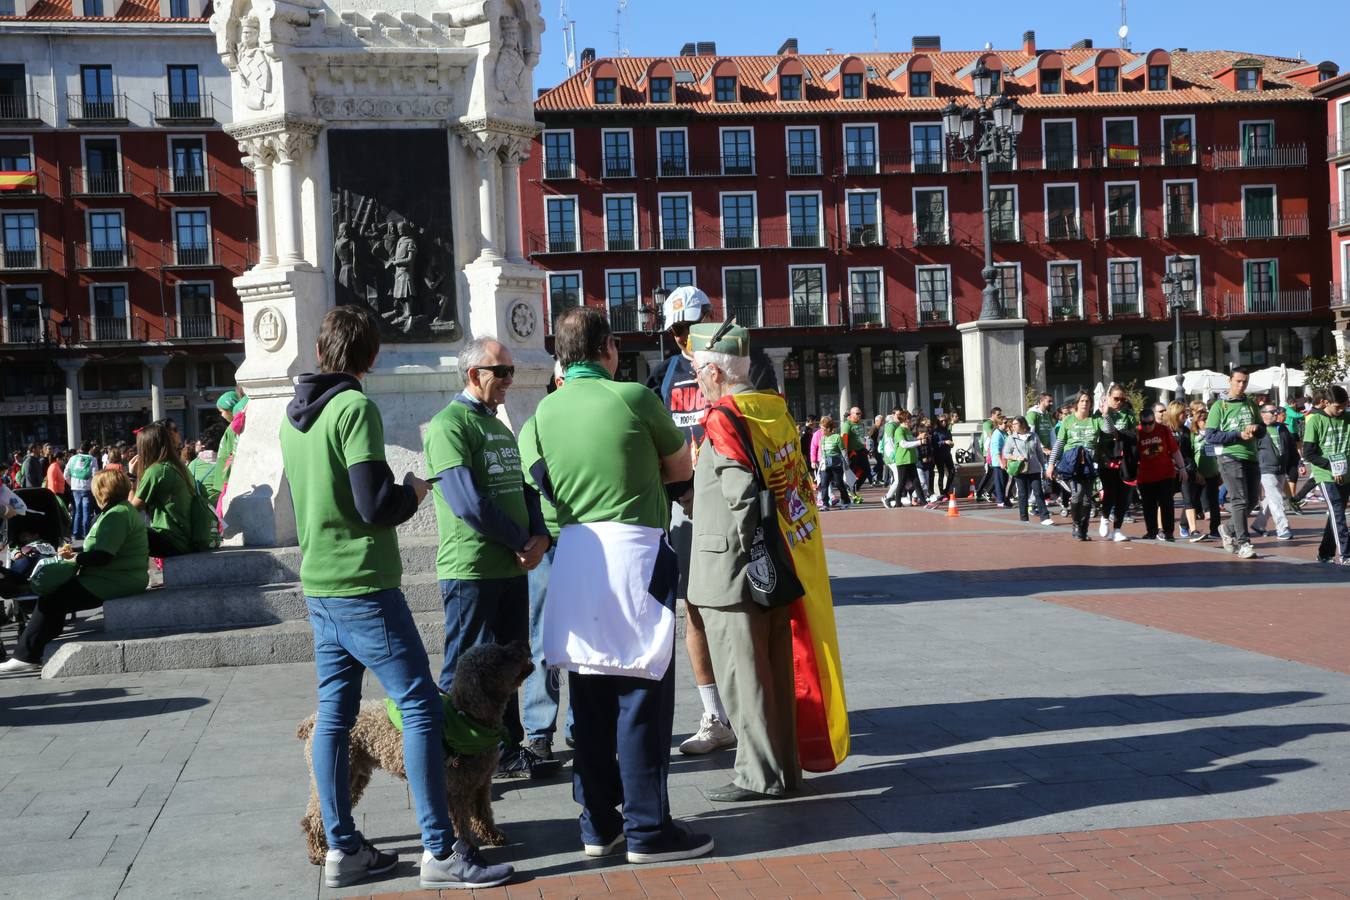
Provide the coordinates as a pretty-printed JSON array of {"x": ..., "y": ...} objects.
[{"x": 973, "y": 716}]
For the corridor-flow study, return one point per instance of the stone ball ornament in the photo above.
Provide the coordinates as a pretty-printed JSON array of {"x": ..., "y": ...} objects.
[{"x": 523, "y": 319}]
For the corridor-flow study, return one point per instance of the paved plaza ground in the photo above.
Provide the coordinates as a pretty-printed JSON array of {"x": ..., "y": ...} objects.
[{"x": 1031, "y": 716}]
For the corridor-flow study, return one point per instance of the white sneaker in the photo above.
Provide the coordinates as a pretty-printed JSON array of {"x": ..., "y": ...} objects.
[
  {"x": 1047, "y": 521},
  {"x": 599, "y": 850},
  {"x": 1119, "y": 537},
  {"x": 1246, "y": 551},
  {"x": 1105, "y": 528},
  {"x": 14, "y": 666},
  {"x": 713, "y": 734},
  {"x": 343, "y": 869}
]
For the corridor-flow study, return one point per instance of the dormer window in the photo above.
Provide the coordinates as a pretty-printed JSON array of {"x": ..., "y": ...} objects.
[
  {"x": 1158, "y": 78},
  {"x": 606, "y": 90},
  {"x": 1051, "y": 81},
  {"x": 921, "y": 84},
  {"x": 789, "y": 87},
  {"x": 853, "y": 86},
  {"x": 1248, "y": 79},
  {"x": 1108, "y": 80},
  {"x": 724, "y": 89},
  {"x": 995, "y": 81},
  {"x": 660, "y": 90}
]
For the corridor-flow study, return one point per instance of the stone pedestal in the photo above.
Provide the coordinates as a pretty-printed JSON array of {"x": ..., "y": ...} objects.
[{"x": 992, "y": 352}]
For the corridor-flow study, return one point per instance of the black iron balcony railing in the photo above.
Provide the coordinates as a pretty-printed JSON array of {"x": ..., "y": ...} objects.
[
  {"x": 1125, "y": 306},
  {"x": 1257, "y": 302},
  {"x": 803, "y": 164},
  {"x": 738, "y": 164},
  {"x": 621, "y": 239},
  {"x": 618, "y": 167},
  {"x": 560, "y": 167},
  {"x": 1063, "y": 228},
  {"x": 1063, "y": 307},
  {"x": 199, "y": 328},
  {"x": 865, "y": 311},
  {"x": 1118, "y": 228},
  {"x": 21, "y": 257},
  {"x": 1003, "y": 229},
  {"x": 1056, "y": 157},
  {"x": 1284, "y": 156},
  {"x": 1118, "y": 156},
  {"x": 187, "y": 254},
  {"x": 96, "y": 181},
  {"x": 864, "y": 236},
  {"x": 931, "y": 234},
  {"x": 1258, "y": 227},
  {"x": 672, "y": 165},
  {"x": 805, "y": 237},
  {"x": 102, "y": 255},
  {"x": 112, "y": 328},
  {"x": 16, "y": 108},
  {"x": 22, "y": 330},
  {"x": 1181, "y": 224},
  {"x": 677, "y": 240},
  {"x": 187, "y": 180},
  {"x": 174, "y": 108},
  {"x": 625, "y": 318},
  {"x": 96, "y": 108},
  {"x": 738, "y": 237},
  {"x": 808, "y": 314},
  {"x": 745, "y": 311},
  {"x": 934, "y": 311},
  {"x": 863, "y": 162},
  {"x": 1338, "y": 215}
]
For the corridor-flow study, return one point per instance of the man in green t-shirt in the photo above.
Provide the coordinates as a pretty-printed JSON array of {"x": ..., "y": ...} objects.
[
  {"x": 1042, "y": 421},
  {"x": 1326, "y": 450},
  {"x": 347, "y": 505},
  {"x": 602, "y": 452},
  {"x": 491, "y": 528},
  {"x": 1233, "y": 428}
]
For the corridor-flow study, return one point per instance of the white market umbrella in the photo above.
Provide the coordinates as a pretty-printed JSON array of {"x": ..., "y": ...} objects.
[
  {"x": 1098, "y": 393},
  {"x": 1266, "y": 380},
  {"x": 1197, "y": 381}
]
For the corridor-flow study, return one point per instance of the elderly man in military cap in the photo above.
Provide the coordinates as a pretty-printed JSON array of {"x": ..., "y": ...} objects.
[{"x": 751, "y": 645}]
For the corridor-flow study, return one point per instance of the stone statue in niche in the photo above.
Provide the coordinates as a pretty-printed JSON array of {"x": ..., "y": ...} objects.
[
  {"x": 254, "y": 68},
  {"x": 510, "y": 61},
  {"x": 393, "y": 241}
]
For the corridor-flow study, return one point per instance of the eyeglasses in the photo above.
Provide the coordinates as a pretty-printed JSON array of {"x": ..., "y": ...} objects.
[
  {"x": 499, "y": 371},
  {"x": 1117, "y": 399}
]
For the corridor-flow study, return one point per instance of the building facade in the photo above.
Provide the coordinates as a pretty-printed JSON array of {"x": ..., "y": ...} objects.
[
  {"x": 1336, "y": 92},
  {"x": 126, "y": 214},
  {"x": 814, "y": 197}
]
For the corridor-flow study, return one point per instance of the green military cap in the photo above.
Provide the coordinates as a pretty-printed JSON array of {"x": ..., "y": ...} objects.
[
  {"x": 227, "y": 400},
  {"x": 720, "y": 337}
]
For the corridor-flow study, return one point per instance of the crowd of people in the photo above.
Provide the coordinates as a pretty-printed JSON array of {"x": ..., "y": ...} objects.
[
  {"x": 912, "y": 455},
  {"x": 83, "y": 525}
]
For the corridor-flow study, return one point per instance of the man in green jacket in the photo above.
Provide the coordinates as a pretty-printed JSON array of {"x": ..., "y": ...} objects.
[{"x": 1234, "y": 427}]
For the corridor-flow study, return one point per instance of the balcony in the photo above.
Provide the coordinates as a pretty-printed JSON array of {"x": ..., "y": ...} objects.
[
  {"x": 864, "y": 236},
  {"x": 1055, "y": 159},
  {"x": 192, "y": 254},
  {"x": 1124, "y": 307},
  {"x": 680, "y": 241},
  {"x": 738, "y": 238},
  {"x": 20, "y": 259},
  {"x": 1136, "y": 155},
  {"x": 1004, "y": 230},
  {"x": 795, "y": 314},
  {"x": 96, "y": 182},
  {"x": 865, "y": 312},
  {"x": 672, "y": 166},
  {"x": 1181, "y": 225},
  {"x": 174, "y": 110},
  {"x": 1064, "y": 229},
  {"x": 803, "y": 164},
  {"x": 95, "y": 257},
  {"x": 27, "y": 330},
  {"x": 561, "y": 242},
  {"x": 1256, "y": 303},
  {"x": 200, "y": 328},
  {"x": 804, "y": 238},
  {"x": 1338, "y": 146},
  {"x": 618, "y": 167},
  {"x": 625, "y": 319},
  {"x": 557, "y": 168},
  {"x": 745, "y": 311},
  {"x": 926, "y": 235},
  {"x": 19, "y": 111},
  {"x": 621, "y": 239},
  {"x": 738, "y": 164},
  {"x": 934, "y": 312},
  {"x": 23, "y": 184},
  {"x": 1064, "y": 308},
  {"x": 1340, "y": 296},
  {"x": 96, "y": 109},
  {"x": 187, "y": 181},
  {"x": 1288, "y": 156},
  {"x": 862, "y": 163},
  {"x": 1236, "y": 228},
  {"x": 1121, "y": 229},
  {"x": 1338, "y": 215}
]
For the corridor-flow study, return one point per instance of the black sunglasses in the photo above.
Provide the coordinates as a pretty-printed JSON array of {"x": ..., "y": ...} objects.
[{"x": 499, "y": 371}]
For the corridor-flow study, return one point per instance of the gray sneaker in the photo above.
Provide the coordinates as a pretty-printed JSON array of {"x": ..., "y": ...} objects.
[
  {"x": 1226, "y": 535},
  {"x": 1246, "y": 551},
  {"x": 463, "y": 868},
  {"x": 341, "y": 869}
]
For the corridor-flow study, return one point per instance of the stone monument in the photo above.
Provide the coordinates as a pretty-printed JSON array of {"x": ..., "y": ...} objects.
[{"x": 385, "y": 140}]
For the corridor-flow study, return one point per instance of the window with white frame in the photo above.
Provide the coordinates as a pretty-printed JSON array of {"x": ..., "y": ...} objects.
[
  {"x": 803, "y": 151},
  {"x": 860, "y": 149},
  {"x": 620, "y": 222},
  {"x": 1261, "y": 282},
  {"x": 1064, "y": 290},
  {"x": 934, "y": 294},
  {"x": 928, "y": 148},
  {"x": 1121, "y": 137},
  {"x": 16, "y": 153},
  {"x": 112, "y": 312},
  {"x": 1008, "y": 281},
  {"x": 562, "y": 224},
  {"x": 672, "y": 148},
  {"x": 807, "y": 284},
  {"x": 23, "y": 313},
  {"x": 102, "y": 166},
  {"x": 864, "y": 218},
  {"x": 623, "y": 299},
  {"x": 191, "y": 237},
  {"x": 1125, "y": 287},
  {"x": 738, "y": 221},
  {"x": 930, "y": 216},
  {"x": 20, "y": 250},
  {"x": 107, "y": 243},
  {"x": 564, "y": 292},
  {"x": 1003, "y": 213},
  {"x": 1178, "y": 133},
  {"x": 1122, "y": 209},
  {"x": 738, "y": 151},
  {"x": 1190, "y": 270},
  {"x": 559, "y": 158},
  {"x": 677, "y": 225},
  {"x": 804, "y": 220},
  {"x": 196, "y": 310},
  {"x": 673, "y": 278},
  {"x": 1061, "y": 212},
  {"x": 740, "y": 287},
  {"x": 1059, "y": 139},
  {"x": 1181, "y": 210},
  {"x": 865, "y": 296},
  {"x": 1258, "y": 143},
  {"x": 618, "y": 153},
  {"x": 187, "y": 164}
]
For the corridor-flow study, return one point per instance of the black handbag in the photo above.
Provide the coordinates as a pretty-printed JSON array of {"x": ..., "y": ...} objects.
[{"x": 771, "y": 577}]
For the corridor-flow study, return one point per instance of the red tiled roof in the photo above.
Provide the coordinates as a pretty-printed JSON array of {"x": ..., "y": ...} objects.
[
  {"x": 1191, "y": 77},
  {"x": 139, "y": 11}
]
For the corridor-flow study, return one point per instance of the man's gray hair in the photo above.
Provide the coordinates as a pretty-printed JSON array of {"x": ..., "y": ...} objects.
[
  {"x": 735, "y": 368},
  {"x": 474, "y": 353}
]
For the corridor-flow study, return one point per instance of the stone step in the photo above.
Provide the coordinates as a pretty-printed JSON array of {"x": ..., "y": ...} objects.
[
  {"x": 273, "y": 565},
  {"x": 228, "y": 604},
  {"x": 285, "y": 642}
]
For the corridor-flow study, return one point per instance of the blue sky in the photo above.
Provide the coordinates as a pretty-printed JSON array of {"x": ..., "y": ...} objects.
[{"x": 1313, "y": 29}]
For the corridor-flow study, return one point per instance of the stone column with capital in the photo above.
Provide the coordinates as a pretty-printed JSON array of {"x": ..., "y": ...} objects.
[
  {"x": 290, "y": 147},
  {"x": 486, "y": 149},
  {"x": 1234, "y": 341},
  {"x": 513, "y": 154},
  {"x": 845, "y": 388},
  {"x": 1162, "y": 365},
  {"x": 1306, "y": 336},
  {"x": 778, "y": 356},
  {"x": 71, "y": 368},
  {"x": 869, "y": 396},
  {"x": 259, "y": 157},
  {"x": 156, "y": 364},
  {"x": 1106, "y": 344},
  {"x": 1338, "y": 337},
  {"x": 1039, "y": 377},
  {"x": 911, "y": 382}
]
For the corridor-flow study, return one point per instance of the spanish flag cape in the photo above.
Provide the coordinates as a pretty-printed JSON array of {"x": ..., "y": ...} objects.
[{"x": 822, "y": 716}]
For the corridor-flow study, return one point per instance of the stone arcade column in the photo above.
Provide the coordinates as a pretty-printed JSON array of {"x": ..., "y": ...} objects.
[
  {"x": 1234, "y": 341},
  {"x": 809, "y": 383},
  {"x": 1341, "y": 344},
  {"x": 1105, "y": 345},
  {"x": 845, "y": 388},
  {"x": 514, "y": 154},
  {"x": 1039, "y": 377},
  {"x": 911, "y": 381},
  {"x": 868, "y": 394},
  {"x": 72, "y": 369},
  {"x": 156, "y": 366},
  {"x": 1162, "y": 365},
  {"x": 778, "y": 356},
  {"x": 1306, "y": 336}
]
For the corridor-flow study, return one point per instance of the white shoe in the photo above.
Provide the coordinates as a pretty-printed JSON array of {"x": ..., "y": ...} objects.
[
  {"x": 463, "y": 868},
  {"x": 598, "y": 850},
  {"x": 1047, "y": 521},
  {"x": 1119, "y": 537},
  {"x": 14, "y": 666},
  {"x": 1104, "y": 529},
  {"x": 713, "y": 734},
  {"x": 1246, "y": 551}
]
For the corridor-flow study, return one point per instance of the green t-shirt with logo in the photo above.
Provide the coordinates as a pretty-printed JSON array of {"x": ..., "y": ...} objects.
[
  {"x": 889, "y": 445},
  {"x": 856, "y": 440},
  {"x": 602, "y": 442},
  {"x": 461, "y": 436},
  {"x": 229, "y": 441},
  {"x": 119, "y": 530},
  {"x": 168, "y": 500},
  {"x": 341, "y": 555},
  {"x": 1331, "y": 435},
  {"x": 904, "y": 456},
  {"x": 1234, "y": 415},
  {"x": 1044, "y": 426},
  {"x": 1081, "y": 432}
]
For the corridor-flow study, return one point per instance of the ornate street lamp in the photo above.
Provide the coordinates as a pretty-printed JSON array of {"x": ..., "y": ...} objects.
[
  {"x": 1178, "y": 286},
  {"x": 656, "y": 314},
  {"x": 988, "y": 133}
]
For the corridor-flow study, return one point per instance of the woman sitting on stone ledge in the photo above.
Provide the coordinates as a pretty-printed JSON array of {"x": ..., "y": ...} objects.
[
  {"x": 114, "y": 563},
  {"x": 164, "y": 490}
]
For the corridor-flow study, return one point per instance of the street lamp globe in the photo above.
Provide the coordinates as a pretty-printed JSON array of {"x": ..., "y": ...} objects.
[
  {"x": 951, "y": 116},
  {"x": 983, "y": 79},
  {"x": 66, "y": 329},
  {"x": 1003, "y": 113},
  {"x": 1017, "y": 115},
  {"x": 968, "y": 118}
]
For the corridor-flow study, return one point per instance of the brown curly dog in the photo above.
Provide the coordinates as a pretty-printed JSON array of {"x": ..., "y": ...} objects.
[{"x": 486, "y": 677}]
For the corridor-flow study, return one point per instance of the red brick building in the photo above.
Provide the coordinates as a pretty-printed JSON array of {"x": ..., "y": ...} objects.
[
  {"x": 811, "y": 195},
  {"x": 127, "y": 216},
  {"x": 1336, "y": 91}
]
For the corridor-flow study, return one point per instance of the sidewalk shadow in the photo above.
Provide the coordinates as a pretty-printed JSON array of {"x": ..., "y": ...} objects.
[{"x": 69, "y": 707}]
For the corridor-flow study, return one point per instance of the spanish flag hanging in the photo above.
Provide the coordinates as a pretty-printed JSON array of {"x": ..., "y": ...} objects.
[
  {"x": 1122, "y": 153},
  {"x": 18, "y": 181},
  {"x": 822, "y": 714},
  {"x": 1180, "y": 145}
]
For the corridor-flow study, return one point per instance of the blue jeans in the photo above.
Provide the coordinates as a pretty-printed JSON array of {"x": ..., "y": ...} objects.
[
  {"x": 485, "y": 611},
  {"x": 540, "y": 709},
  {"x": 376, "y": 632},
  {"x": 83, "y": 518}
]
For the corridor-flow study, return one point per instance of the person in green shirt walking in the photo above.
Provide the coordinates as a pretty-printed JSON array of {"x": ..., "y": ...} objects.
[
  {"x": 1233, "y": 428},
  {"x": 832, "y": 462},
  {"x": 1326, "y": 449},
  {"x": 1117, "y": 460},
  {"x": 1073, "y": 459},
  {"x": 897, "y": 448},
  {"x": 492, "y": 530}
]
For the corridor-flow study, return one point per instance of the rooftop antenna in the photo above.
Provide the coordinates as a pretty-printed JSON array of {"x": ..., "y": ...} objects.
[
  {"x": 875, "y": 45},
  {"x": 618, "y": 29},
  {"x": 569, "y": 36},
  {"x": 1124, "y": 31}
]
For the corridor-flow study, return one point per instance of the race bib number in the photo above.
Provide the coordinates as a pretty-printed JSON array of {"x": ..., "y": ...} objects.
[
  {"x": 1213, "y": 450},
  {"x": 1337, "y": 466}
]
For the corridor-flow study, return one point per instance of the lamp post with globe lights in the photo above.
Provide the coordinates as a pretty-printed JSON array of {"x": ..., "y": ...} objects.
[{"x": 1178, "y": 286}]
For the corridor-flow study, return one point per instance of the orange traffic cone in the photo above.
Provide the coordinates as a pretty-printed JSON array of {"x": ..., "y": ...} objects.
[{"x": 953, "y": 511}]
